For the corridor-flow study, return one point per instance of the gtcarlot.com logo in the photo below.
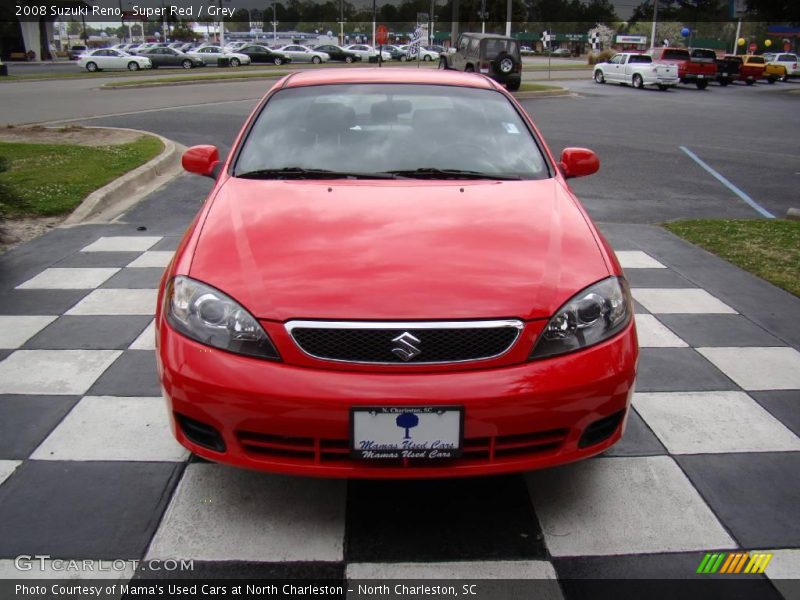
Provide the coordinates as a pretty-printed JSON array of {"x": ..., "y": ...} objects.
[
  {"x": 43, "y": 563},
  {"x": 734, "y": 563}
]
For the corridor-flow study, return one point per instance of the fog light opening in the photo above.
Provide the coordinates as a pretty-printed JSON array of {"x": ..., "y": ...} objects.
[
  {"x": 201, "y": 434},
  {"x": 601, "y": 430}
]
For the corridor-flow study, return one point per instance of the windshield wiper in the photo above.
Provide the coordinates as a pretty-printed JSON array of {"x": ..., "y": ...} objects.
[
  {"x": 433, "y": 173},
  {"x": 303, "y": 173}
]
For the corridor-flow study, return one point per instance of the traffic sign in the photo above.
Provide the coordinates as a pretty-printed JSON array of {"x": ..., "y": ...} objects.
[{"x": 382, "y": 35}]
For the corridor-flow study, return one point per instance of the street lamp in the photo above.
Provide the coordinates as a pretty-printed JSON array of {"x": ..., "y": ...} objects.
[
  {"x": 274, "y": 22},
  {"x": 655, "y": 18},
  {"x": 341, "y": 22}
]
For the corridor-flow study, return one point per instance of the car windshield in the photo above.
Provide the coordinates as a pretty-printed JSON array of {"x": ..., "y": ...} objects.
[
  {"x": 492, "y": 48},
  {"x": 396, "y": 129}
]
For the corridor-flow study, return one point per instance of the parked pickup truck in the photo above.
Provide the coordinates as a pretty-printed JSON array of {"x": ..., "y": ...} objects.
[
  {"x": 755, "y": 67},
  {"x": 698, "y": 67},
  {"x": 728, "y": 69},
  {"x": 638, "y": 70}
]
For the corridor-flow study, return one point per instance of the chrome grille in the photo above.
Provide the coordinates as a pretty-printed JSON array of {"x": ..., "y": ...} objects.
[{"x": 432, "y": 342}]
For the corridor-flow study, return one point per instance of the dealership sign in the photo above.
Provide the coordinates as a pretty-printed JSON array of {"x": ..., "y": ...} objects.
[{"x": 631, "y": 39}]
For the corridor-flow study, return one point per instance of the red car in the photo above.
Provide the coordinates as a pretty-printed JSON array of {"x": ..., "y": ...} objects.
[{"x": 391, "y": 278}]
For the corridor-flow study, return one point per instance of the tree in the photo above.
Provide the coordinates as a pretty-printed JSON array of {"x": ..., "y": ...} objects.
[
  {"x": 604, "y": 33},
  {"x": 777, "y": 11},
  {"x": 407, "y": 421}
]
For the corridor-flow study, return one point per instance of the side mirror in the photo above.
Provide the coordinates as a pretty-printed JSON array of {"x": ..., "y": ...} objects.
[
  {"x": 201, "y": 160},
  {"x": 578, "y": 162}
]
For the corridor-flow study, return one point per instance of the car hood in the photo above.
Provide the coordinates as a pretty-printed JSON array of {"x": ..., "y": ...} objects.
[{"x": 402, "y": 250}]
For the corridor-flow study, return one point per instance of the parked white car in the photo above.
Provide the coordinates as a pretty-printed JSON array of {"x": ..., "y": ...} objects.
[
  {"x": 424, "y": 54},
  {"x": 107, "y": 59},
  {"x": 637, "y": 70},
  {"x": 210, "y": 55},
  {"x": 303, "y": 54},
  {"x": 367, "y": 52}
]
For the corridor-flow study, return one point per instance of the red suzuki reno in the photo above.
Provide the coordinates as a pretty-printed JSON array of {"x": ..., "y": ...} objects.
[{"x": 391, "y": 278}]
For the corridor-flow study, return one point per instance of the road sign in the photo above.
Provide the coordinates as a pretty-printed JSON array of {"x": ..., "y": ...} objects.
[
  {"x": 752, "y": 47},
  {"x": 382, "y": 35}
]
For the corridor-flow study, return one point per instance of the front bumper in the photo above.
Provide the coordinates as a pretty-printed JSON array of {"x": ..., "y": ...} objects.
[{"x": 277, "y": 417}]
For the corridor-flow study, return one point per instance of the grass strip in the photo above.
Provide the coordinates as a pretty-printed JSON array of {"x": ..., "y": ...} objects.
[
  {"x": 52, "y": 179},
  {"x": 538, "y": 87}
]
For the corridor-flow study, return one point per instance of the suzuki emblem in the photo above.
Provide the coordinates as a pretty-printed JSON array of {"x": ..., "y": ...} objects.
[{"x": 406, "y": 348}]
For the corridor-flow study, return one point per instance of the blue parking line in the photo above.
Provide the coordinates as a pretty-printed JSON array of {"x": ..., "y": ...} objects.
[{"x": 755, "y": 205}]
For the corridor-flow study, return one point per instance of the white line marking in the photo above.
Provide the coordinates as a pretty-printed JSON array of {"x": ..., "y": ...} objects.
[{"x": 753, "y": 204}]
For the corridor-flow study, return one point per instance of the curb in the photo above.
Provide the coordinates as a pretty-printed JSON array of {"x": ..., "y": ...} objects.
[
  {"x": 114, "y": 88},
  {"x": 110, "y": 201}
]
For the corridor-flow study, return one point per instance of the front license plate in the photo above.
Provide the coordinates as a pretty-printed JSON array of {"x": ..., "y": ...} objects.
[
  {"x": 701, "y": 76},
  {"x": 430, "y": 432}
]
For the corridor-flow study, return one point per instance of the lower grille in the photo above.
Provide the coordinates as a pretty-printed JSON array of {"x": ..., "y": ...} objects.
[
  {"x": 405, "y": 343},
  {"x": 301, "y": 450}
]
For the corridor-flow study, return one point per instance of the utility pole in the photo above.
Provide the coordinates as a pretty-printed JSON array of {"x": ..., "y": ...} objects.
[
  {"x": 508, "y": 17},
  {"x": 164, "y": 24},
  {"x": 341, "y": 22},
  {"x": 454, "y": 24},
  {"x": 482, "y": 15},
  {"x": 274, "y": 22},
  {"x": 221, "y": 25},
  {"x": 431, "y": 37},
  {"x": 653, "y": 31},
  {"x": 374, "y": 18}
]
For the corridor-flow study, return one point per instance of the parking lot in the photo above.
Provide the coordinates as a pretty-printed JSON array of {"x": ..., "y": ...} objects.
[{"x": 709, "y": 461}]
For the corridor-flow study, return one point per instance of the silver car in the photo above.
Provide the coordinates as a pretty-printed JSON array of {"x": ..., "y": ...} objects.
[
  {"x": 303, "y": 54},
  {"x": 210, "y": 55}
]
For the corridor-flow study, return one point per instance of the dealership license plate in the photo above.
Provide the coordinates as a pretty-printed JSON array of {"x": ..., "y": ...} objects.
[{"x": 387, "y": 432}]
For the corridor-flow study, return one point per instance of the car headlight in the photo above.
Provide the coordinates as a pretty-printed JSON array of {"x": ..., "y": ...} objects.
[
  {"x": 591, "y": 316},
  {"x": 208, "y": 316}
]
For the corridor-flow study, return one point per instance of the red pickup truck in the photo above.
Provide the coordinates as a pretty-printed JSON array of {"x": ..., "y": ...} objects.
[{"x": 697, "y": 66}]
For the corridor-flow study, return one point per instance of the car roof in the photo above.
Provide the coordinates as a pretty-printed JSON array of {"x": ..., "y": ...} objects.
[{"x": 387, "y": 75}]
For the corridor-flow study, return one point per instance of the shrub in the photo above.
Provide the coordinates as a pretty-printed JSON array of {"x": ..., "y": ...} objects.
[{"x": 601, "y": 56}]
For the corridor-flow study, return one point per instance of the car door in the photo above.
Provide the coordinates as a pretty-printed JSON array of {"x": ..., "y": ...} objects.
[
  {"x": 334, "y": 52},
  {"x": 211, "y": 55},
  {"x": 615, "y": 68},
  {"x": 256, "y": 53},
  {"x": 155, "y": 56},
  {"x": 170, "y": 57},
  {"x": 108, "y": 59},
  {"x": 299, "y": 54}
]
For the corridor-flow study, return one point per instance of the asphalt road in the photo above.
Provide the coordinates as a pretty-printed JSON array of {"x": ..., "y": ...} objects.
[{"x": 747, "y": 135}]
